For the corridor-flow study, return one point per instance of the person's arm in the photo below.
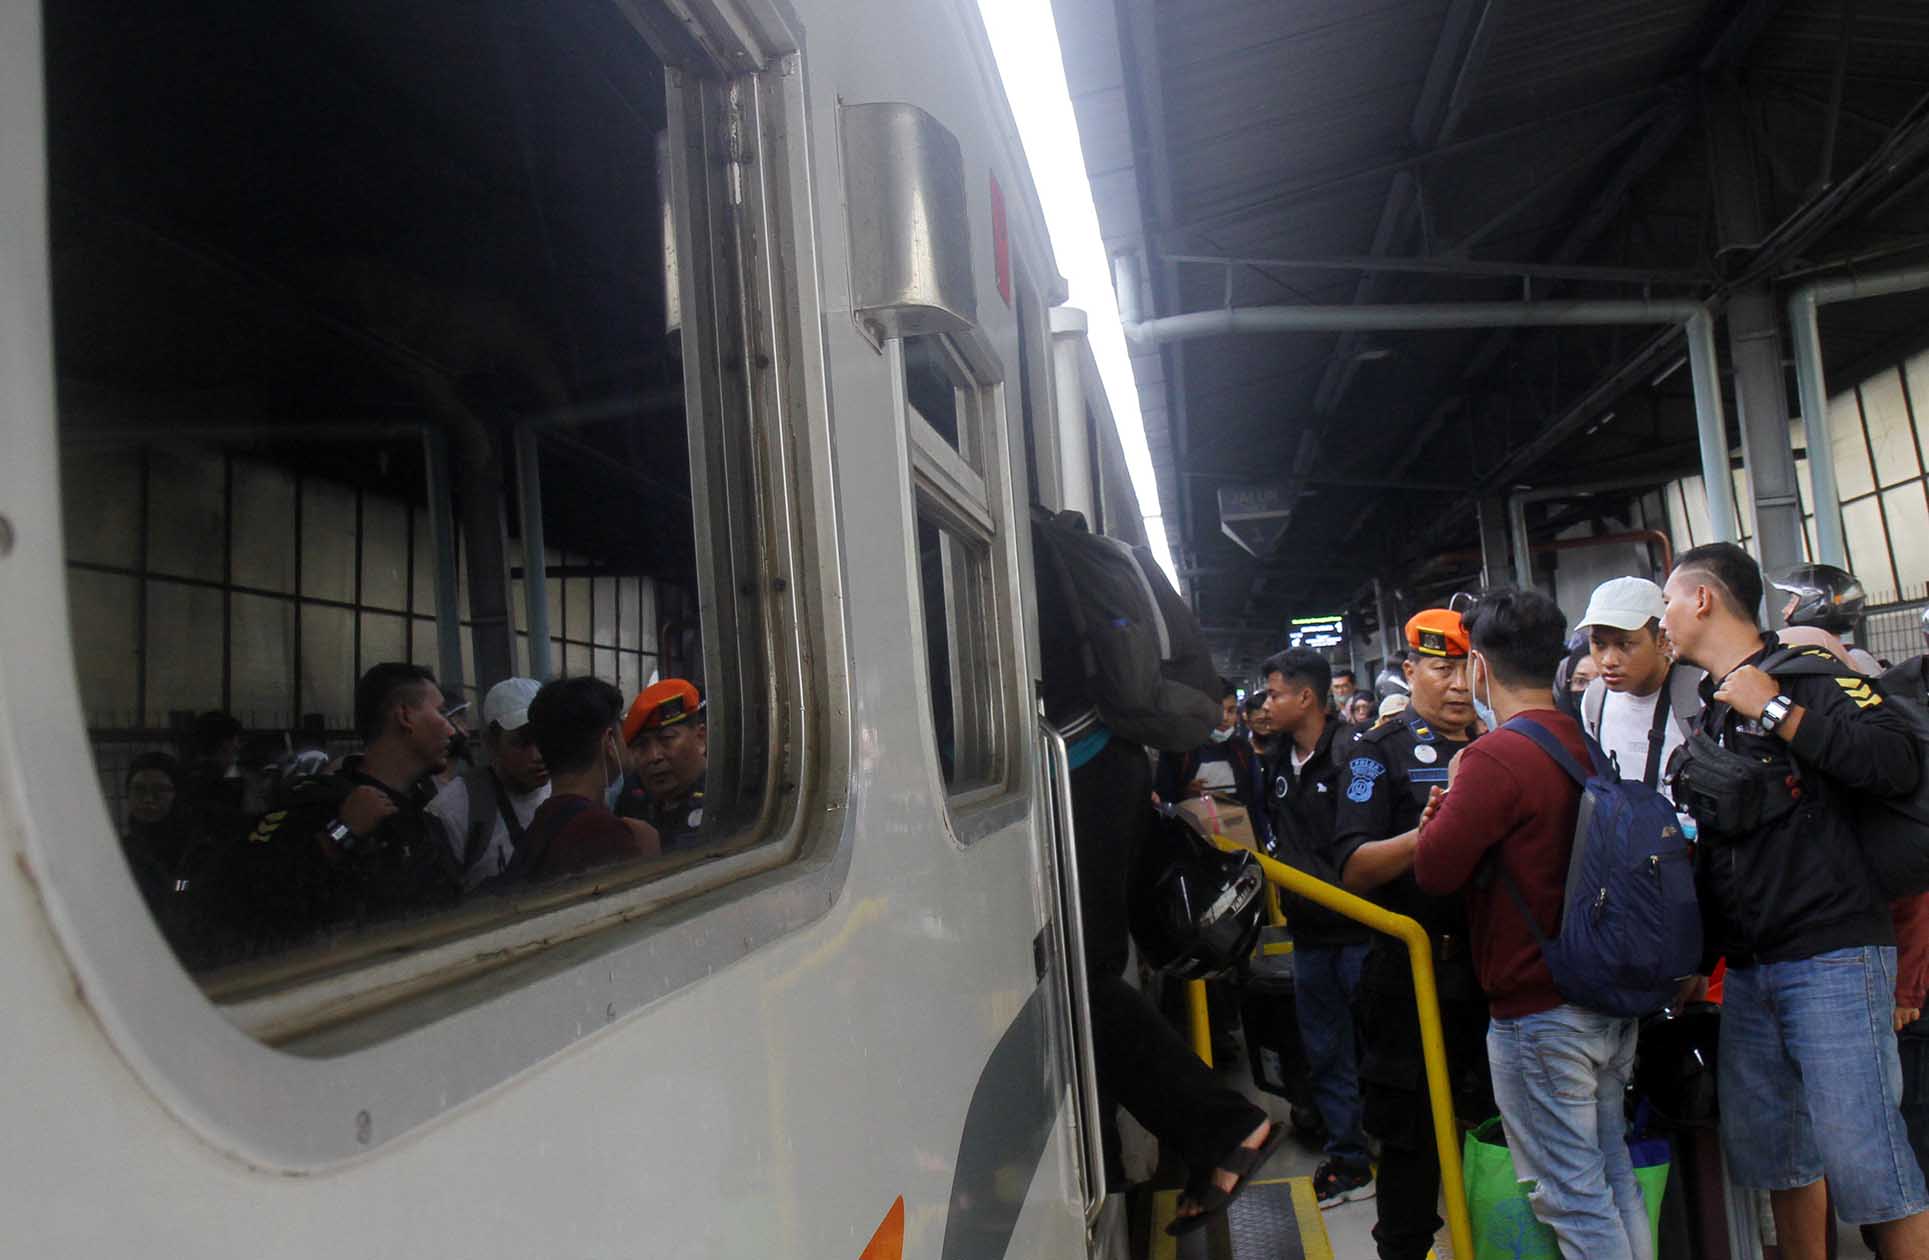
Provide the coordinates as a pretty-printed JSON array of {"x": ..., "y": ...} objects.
[
  {"x": 1849, "y": 733},
  {"x": 1360, "y": 850},
  {"x": 1470, "y": 820},
  {"x": 1911, "y": 915}
]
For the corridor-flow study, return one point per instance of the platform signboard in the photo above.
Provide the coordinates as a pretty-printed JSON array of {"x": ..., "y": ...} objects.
[{"x": 1322, "y": 632}]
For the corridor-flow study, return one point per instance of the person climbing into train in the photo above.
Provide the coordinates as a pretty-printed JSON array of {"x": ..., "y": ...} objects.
[
  {"x": 668, "y": 736},
  {"x": 1143, "y": 1065},
  {"x": 1389, "y": 772},
  {"x": 1504, "y": 832},
  {"x": 485, "y": 810},
  {"x": 1329, "y": 950},
  {"x": 1789, "y": 899}
]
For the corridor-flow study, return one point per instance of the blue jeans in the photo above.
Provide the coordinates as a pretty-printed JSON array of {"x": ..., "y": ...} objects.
[
  {"x": 1325, "y": 980},
  {"x": 1811, "y": 1083},
  {"x": 1560, "y": 1078}
]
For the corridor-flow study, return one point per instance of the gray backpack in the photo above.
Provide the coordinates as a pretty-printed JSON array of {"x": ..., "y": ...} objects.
[{"x": 1147, "y": 667}]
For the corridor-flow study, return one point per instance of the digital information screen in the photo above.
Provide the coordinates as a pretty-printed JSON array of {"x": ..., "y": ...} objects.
[{"x": 1318, "y": 632}]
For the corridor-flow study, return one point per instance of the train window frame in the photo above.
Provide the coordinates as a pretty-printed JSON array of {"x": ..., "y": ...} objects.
[
  {"x": 965, "y": 493},
  {"x": 359, "y": 1058}
]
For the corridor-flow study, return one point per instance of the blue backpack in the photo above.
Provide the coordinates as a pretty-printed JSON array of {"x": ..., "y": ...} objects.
[{"x": 1630, "y": 926}]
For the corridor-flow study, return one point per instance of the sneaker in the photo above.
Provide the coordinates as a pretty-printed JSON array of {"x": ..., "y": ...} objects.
[{"x": 1335, "y": 1183}]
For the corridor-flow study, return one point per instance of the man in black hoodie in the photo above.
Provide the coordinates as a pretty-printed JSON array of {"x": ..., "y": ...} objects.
[
  {"x": 1788, "y": 898},
  {"x": 1329, "y": 950}
]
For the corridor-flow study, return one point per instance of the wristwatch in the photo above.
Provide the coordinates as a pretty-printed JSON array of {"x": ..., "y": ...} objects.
[
  {"x": 340, "y": 833},
  {"x": 1775, "y": 712}
]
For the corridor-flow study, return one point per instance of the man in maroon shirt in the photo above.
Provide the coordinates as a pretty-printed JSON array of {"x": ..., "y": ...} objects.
[
  {"x": 1560, "y": 1072},
  {"x": 576, "y": 724}
]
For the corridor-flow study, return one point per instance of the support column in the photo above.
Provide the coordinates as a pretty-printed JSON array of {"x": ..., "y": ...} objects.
[
  {"x": 535, "y": 571},
  {"x": 1391, "y": 637},
  {"x": 448, "y": 613},
  {"x": 1754, "y": 339},
  {"x": 1493, "y": 541}
]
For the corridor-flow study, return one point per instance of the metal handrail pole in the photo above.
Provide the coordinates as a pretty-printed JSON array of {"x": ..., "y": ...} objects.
[
  {"x": 1065, "y": 854},
  {"x": 1199, "y": 1020},
  {"x": 1433, "y": 1042}
]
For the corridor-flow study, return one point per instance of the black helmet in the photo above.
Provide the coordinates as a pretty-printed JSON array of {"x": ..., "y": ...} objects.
[
  {"x": 1675, "y": 1064},
  {"x": 1826, "y": 597},
  {"x": 1391, "y": 682},
  {"x": 1198, "y": 912}
]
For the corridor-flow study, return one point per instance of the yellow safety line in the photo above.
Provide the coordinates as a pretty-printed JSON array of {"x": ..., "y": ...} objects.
[
  {"x": 1313, "y": 1242},
  {"x": 1433, "y": 1045},
  {"x": 1201, "y": 1018},
  {"x": 1165, "y": 1210}
]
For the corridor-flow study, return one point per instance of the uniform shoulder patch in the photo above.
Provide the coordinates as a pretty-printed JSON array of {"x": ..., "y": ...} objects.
[
  {"x": 267, "y": 826},
  {"x": 1366, "y": 772}
]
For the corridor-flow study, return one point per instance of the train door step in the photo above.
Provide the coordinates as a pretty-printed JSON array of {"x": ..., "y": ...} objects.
[{"x": 1275, "y": 1219}]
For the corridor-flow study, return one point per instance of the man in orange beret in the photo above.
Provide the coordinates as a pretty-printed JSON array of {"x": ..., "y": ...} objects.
[
  {"x": 669, "y": 742},
  {"x": 1387, "y": 776}
]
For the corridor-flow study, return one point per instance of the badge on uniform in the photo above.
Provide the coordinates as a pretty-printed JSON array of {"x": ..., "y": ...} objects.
[
  {"x": 1426, "y": 754},
  {"x": 1366, "y": 773}
]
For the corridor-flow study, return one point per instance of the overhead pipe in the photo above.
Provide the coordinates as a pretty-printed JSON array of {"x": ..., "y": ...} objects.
[
  {"x": 1693, "y": 317},
  {"x": 1812, "y": 389}
]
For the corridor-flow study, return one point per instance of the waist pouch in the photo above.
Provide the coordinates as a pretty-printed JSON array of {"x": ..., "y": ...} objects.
[{"x": 1730, "y": 793}]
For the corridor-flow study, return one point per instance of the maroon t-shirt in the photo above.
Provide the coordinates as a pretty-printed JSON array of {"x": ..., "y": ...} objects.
[
  {"x": 1509, "y": 796},
  {"x": 579, "y": 835}
]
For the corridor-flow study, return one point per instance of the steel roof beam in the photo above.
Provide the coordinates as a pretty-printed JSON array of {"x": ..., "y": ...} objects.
[{"x": 1451, "y": 265}]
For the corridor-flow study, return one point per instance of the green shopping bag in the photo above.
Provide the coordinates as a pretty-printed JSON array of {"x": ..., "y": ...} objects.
[{"x": 1504, "y": 1225}]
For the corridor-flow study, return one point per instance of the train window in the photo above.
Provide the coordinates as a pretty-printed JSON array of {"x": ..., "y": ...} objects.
[
  {"x": 958, "y": 537},
  {"x": 377, "y": 392}
]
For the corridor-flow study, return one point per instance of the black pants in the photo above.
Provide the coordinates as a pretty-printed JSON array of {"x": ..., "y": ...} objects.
[
  {"x": 1393, "y": 1086},
  {"x": 1143, "y": 1063}
]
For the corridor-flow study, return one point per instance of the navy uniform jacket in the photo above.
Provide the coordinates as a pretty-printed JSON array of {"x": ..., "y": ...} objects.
[{"x": 678, "y": 822}]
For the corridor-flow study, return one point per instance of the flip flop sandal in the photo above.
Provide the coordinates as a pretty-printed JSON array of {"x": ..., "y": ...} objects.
[{"x": 1242, "y": 1164}]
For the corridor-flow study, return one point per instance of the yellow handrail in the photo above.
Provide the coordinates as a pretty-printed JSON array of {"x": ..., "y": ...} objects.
[{"x": 1433, "y": 1044}]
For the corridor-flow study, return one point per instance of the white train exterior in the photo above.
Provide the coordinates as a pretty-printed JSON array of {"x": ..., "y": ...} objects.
[{"x": 762, "y": 1066}]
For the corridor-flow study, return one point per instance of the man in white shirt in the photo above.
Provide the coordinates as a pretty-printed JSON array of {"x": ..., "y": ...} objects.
[
  {"x": 484, "y": 813},
  {"x": 1642, "y": 707}
]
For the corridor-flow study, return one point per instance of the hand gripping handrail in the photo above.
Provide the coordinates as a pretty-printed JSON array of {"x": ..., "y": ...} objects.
[{"x": 1433, "y": 1044}]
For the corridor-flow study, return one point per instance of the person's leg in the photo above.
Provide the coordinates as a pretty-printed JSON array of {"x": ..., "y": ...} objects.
[
  {"x": 1836, "y": 1018},
  {"x": 1325, "y": 1017},
  {"x": 1768, "y": 1142},
  {"x": 1550, "y": 1071},
  {"x": 1409, "y": 1173},
  {"x": 1613, "y": 1125}
]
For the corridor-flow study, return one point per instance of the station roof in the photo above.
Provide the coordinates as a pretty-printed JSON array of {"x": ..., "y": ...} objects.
[{"x": 1305, "y": 141}]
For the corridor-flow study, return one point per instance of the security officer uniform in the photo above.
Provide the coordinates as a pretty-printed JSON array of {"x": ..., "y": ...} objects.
[
  {"x": 1387, "y": 774},
  {"x": 678, "y": 820}
]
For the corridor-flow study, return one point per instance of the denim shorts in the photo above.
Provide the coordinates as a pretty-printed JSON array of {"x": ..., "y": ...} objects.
[{"x": 1811, "y": 1082}]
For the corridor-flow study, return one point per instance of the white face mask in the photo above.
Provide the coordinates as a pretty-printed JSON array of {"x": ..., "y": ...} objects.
[
  {"x": 1220, "y": 737},
  {"x": 613, "y": 790},
  {"x": 1484, "y": 710}
]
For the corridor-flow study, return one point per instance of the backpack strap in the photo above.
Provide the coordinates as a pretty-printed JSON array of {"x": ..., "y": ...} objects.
[
  {"x": 480, "y": 786},
  {"x": 1658, "y": 734},
  {"x": 1545, "y": 740},
  {"x": 507, "y": 812},
  {"x": 1593, "y": 706}
]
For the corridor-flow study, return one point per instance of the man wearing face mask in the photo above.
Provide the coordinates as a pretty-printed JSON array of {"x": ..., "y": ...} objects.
[
  {"x": 1386, "y": 778},
  {"x": 1224, "y": 763},
  {"x": 576, "y": 723}
]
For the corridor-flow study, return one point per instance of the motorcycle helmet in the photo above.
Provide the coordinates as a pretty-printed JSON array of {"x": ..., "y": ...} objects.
[
  {"x": 1197, "y": 912},
  {"x": 1826, "y": 597},
  {"x": 1674, "y": 1067}
]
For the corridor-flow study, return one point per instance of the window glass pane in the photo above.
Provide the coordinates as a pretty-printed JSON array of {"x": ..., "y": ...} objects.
[
  {"x": 1908, "y": 515},
  {"x": 1694, "y": 497},
  {"x": 102, "y": 526},
  {"x": 264, "y": 563},
  {"x": 959, "y": 660},
  {"x": 385, "y": 553},
  {"x": 1887, "y": 417},
  {"x": 327, "y": 540},
  {"x": 183, "y": 650},
  {"x": 1868, "y": 549},
  {"x": 932, "y": 390},
  {"x": 1852, "y": 475},
  {"x": 1744, "y": 504},
  {"x": 264, "y": 526},
  {"x": 939, "y": 668},
  {"x": 106, "y": 645},
  {"x": 261, "y": 677},
  {"x": 1916, "y": 373},
  {"x": 185, "y": 524}
]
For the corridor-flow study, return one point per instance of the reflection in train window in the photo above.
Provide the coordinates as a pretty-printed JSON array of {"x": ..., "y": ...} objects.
[
  {"x": 958, "y": 526},
  {"x": 372, "y": 398}
]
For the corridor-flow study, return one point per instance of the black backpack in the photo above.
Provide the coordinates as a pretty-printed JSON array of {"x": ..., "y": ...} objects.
[
  {"x": 1893, "y": 831},
  {"x": 1147, "y": 668}
]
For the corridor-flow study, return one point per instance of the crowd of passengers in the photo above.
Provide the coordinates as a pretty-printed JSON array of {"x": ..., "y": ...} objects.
[
  {"x": 569, "y": 777},
  {"x": 1418, "y": 794}
]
